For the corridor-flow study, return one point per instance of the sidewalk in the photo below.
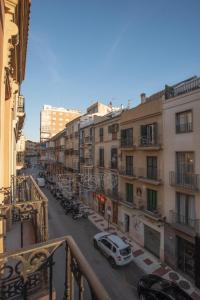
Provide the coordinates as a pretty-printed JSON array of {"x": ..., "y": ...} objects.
[{"x": 144, "y": 259}]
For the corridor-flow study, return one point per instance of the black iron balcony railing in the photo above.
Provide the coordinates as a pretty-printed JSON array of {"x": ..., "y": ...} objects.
[
  {"x": 183, "y": 88},
  {"x": 185, "y": 180},
  {"x": 184, "y": 128},
  {"x": 149, "y": 141},
  {"x": 185, "y": 222},
  {"x": 152, "y": 213},
  {"x": 88, "y": 161},
  {"x": 26, "y": 202},
  {"x": 130, "y": 172},
  {"x": 28, "y": 273},
  {"x": 127, "y": 143},
  {"x": 149, "y": 174},
  {"x": 88, "y": 140}
]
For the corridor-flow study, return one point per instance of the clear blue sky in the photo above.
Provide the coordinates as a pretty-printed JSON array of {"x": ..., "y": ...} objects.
[{"x": 86, "y": 50}]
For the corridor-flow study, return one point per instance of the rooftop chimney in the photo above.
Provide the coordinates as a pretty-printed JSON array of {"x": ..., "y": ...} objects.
[{"x": 143, "y": 98}]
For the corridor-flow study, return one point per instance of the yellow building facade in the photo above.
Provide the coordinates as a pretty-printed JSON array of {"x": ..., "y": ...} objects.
[{"x": 14, "y": 23}]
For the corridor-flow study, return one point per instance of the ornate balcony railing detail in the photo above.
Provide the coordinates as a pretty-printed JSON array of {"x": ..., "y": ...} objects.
[
  {"x": 25, "y": 201},
  {"x": 27, "y": 272},
  {"x": 186, "y": 180},
  {"x": 185, "y": 222},
  {"x": 88, "y": 140},
  {"x": 130, "y": 172},
  {"x": 182, "y": 88}
]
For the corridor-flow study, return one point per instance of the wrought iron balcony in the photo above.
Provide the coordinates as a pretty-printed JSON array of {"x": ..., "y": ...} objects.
[
  {"x": 127, "y": 143},
  {"x": 148, "y": 142},
  {"x": 184, "y": 223},
  {"x": 150, "y": 175},
  {"x": 186, "y": 180},
  {"x": 127, "y": 172},
  {"x": 88, "y": 161},
  {"x": 184, "y": 128},
  {"x": 182, "y": 88},
  {"x": 154, "y": 215},
  {"x": 88, "y": 140},
  {"x": 28, "y": 273},
  {"x": 26, "y": 202}
]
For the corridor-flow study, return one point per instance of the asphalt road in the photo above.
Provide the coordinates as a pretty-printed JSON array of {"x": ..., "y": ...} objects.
[{"x": 120, "y": 283}]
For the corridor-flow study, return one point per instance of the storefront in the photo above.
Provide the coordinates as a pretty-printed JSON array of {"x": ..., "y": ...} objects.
[
  {"x": 152, "y": 240},
  {"x": 185, "y": 253},
  {"x": 101, "y": 200}
]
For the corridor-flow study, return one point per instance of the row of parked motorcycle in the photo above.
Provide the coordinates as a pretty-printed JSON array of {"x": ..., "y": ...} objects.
[{"x": 70, "y": 206}]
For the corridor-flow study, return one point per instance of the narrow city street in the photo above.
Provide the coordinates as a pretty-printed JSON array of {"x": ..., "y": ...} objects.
[{"x": 120, "y": 283}]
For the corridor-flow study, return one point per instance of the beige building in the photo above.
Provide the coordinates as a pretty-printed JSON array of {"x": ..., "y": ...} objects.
[
  {"x": 14, "y": 23},
  {"x": 106, "y": 162},
  {"x": 54, "y": 119},
  {"x": 94, "y": 113},
  {"x": 141, "y": 202},
  {"x": 181, "y": 111}
]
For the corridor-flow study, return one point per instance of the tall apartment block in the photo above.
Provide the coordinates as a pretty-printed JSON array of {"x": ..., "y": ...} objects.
[
  {"x": 181, "y": 127},
  {"x": 54, "y": 119}
]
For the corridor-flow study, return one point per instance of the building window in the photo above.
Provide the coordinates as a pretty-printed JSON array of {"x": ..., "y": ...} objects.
[
  {"x": 151, "y": 200},
  {"x": 184, "y": 122},
  {"x": 185, "y": 209},
  {"x": 101, "y": 181},
  {"x": 101, "y": 135},
  {"x": 148, "y": 134},
  {"x": 152, "y": 167},
  {"x": 129, "y": 192},
  {"x": 114, "y": 183},
  {"x": 101, "y": 157},
  {"x": 127, "y": 137},
  {"x": 185, "y": 168},
  {"x": 113, "y": 164},
  {"x": 129, "y": 165}
]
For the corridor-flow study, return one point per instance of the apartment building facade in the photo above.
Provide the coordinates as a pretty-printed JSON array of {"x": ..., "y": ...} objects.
[
  {"x": 88, "y": 184},
  {"x": 54, "y": 119},
  {"x": 14, "y": 24},
  {"x": 141, "y": 179},
  {"x": 106, "y": 162},
  {"x": 72, "y": 157},
  {"x": 181, "y": 111}
]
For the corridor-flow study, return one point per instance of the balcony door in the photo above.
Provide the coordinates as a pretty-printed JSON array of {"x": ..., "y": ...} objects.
[
  {"x": 148, "y": 134},
  {"x": 185, "y": 168},
  {"x": 185, "y": 208},
  {"x": 129, "y": 165}
]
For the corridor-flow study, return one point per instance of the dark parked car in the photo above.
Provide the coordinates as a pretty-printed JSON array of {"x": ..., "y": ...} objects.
[{"x": 153, "y": 287}]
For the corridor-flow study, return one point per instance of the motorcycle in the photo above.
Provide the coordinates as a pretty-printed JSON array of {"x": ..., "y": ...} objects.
[{"x": 81, "y": 214}]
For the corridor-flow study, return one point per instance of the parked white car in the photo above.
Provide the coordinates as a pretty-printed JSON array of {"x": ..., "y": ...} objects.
[
  {"x": 117, "y": 251},
  {"x": 40, "y": 181}
]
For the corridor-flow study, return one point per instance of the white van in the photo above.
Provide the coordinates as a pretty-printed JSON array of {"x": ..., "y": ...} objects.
[{"x": 40, "y": 181}]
